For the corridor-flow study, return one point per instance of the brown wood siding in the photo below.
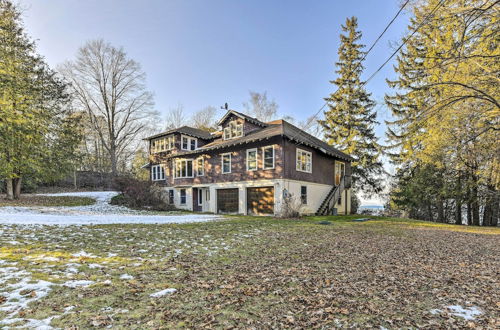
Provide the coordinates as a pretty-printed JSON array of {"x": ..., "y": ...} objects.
[
  {"x": 213, "y": 165},
  {"x": 260, "y": 200},
  {"x": 322, "y": 165}
]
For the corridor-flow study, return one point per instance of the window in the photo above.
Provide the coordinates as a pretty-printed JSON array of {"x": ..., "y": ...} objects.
[
  {"x": 340, "y": 200},
  {"x": 163, "y": 144},
  {"x": 200, "y": 197},
  {"x": 304, "y": 161},
  {"x": 200, "y": 166},
  {"x": 183, "y": 196},
  {"x": 303, "y": 194},
  {"x": 171, "y": 196},
  {"x": 226, "y": 163},
  {"x": 157, "y": 173},
  {"x": 183, "y": 168},
  {"x": 233, "y": 130},
  {"x": 251, "y": 159},
  {"x": 268, "y": 157},
  {"x": 188, "y": 143}
]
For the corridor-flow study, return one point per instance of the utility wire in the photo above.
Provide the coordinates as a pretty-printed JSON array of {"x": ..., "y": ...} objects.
[{"x": 392, "y": 55}]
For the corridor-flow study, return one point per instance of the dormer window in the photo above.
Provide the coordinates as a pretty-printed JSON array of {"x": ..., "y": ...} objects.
[
  {"x": 162, "y": 144},
  {"x": 233, "y": 130},
  {"x": 188, "y": 143}
]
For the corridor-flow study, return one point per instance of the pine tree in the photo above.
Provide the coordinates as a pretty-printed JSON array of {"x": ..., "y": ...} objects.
[{"x": 350, "y": 119}]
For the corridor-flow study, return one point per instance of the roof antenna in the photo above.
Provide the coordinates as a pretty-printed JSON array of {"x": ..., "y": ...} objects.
[{"x": 226, "y": 106}]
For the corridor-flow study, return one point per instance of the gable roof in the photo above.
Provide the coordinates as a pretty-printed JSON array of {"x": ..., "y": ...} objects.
[
  {"x": 242, "y": 116},
  {"x": 186, "y": 130},
  {"x": 272, "y": 129}
]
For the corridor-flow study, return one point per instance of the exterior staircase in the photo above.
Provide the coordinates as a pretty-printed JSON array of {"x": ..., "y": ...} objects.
[{"x": 331, "y": 198}]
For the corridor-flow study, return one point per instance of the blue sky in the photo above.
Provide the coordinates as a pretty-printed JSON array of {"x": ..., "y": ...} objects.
[{"x": 200, "y": 52}]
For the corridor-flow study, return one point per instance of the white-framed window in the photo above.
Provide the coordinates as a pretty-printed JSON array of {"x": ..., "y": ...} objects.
[
  {"x": 252, "y": 159},
  {"x": 188, "y": 143},
  {"x": 183, "y": 168},
  {"x": 200, "y": 166},
  {"x": 226, "y": 163},
  {"x": 268, "y": 157},
  {"x": 303, "y": 195},
  {"x": 183, "y": 196},
  {"x": 304, "y": 161},
  {"x": 200, "y": 197},
  {"x": 157, "y": 173},
  {"x": 233, "y": 130},
  {"x": 163, "y": 144}
]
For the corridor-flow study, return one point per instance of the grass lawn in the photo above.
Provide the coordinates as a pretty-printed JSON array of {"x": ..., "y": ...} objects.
[
  {"x": 252, "y": 272},
  {"x": 40, "y": 200}
]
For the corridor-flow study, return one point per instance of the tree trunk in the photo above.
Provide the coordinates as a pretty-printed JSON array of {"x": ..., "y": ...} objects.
[
  {"x": 114, "y": 170},
  {"x": 9, "y": 189},
  {"x": 17, "y": 187},
  {"x": 458, "y": 212},
  {"x": 475, "y": 207},
  {"x": 74, "y": 180},
  {"x": 440, "y": 209}
]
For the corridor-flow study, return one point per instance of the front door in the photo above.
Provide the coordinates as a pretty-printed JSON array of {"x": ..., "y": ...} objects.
[{"x": 339, "y": 172}]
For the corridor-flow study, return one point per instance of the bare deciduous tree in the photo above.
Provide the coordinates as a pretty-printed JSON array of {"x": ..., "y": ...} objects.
[
  {"x": 176, "y": 117},
  {"x": 260, "y": 107},
  {"x": 111, "y": 88},
  {"x": 205, "y": 118}
]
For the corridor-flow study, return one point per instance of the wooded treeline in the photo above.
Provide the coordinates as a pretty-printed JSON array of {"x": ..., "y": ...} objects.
[{"x": 445, "y": 138}]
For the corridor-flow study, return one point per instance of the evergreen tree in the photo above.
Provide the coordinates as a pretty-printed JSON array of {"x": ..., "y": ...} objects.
[
  {"x": 33, "y": 109},
  {"x": 350, "y": 119}
]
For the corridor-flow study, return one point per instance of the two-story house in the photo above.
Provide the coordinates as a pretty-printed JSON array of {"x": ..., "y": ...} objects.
[{"x": 250, "y": 167}]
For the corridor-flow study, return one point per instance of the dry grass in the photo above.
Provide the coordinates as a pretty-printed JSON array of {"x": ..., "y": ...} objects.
[{"x": 40, "y": 200}]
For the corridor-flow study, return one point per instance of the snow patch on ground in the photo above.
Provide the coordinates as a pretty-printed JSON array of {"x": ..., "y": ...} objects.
[
  {"x": 78, "y": 283},
  {"x": 163, "y": 293},
  {"x": 99, "y": 213},
  {"x": 467, "y": 313},
  {"x": 126, "y": 277}
]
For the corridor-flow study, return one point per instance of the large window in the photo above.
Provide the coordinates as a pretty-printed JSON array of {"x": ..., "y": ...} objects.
[
  {"x": 183, "y": 168},
  {"x": 252, "y": 159},
  {"x": 162, "y": 144},
  {"x": 157, "y": 173},
  {"x": 226, "y": 163},
  {"x": 268, "y": 157},
  {"x": 303, "y": 194},
  {"x": 188, "y": 143},
  {"x": 200, "y": 166},
  {"x": 304, "y": 161},
  {"x": 233, "y": 130},
  {"x": 183, "y": 196}
]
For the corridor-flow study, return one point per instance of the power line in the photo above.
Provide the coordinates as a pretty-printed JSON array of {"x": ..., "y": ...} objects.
[{"x": 392, "y": 55}]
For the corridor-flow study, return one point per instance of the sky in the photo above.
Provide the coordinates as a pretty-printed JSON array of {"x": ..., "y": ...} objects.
[{"x": 199, "y": 52}]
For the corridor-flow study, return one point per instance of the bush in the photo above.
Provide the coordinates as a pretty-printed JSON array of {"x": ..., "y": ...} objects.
[
  {"x": 291, "y": 207},
  {"x": 140, "y": 194}
]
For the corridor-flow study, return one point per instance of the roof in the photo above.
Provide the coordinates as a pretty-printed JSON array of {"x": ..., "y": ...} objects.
[
  {"x": 276, "y": 128},
  {"x": 242, "y": 116},
  {"x": 186, "y": 130}
]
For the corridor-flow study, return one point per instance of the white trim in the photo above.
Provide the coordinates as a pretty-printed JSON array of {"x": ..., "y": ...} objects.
[
  {"x": 202, "y": 166},
  {"x": 256, "y": 159},
  {"x": 183, "y": 160},
  {"x": 157, "y": 175},
  {"x": 222, "y": 162},
  {"x": 297, "y": 151},
  {"x": 264, "y": 158},
  {"x": 189, "y": 139}
]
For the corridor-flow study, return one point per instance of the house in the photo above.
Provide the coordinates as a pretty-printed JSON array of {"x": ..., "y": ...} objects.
[{"x": 250, "y": 167}]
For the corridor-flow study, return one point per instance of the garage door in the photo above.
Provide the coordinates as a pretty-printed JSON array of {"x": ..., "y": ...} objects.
[
  {"x": 227, "y": 200},
  {"x": 260, "y": 200}
]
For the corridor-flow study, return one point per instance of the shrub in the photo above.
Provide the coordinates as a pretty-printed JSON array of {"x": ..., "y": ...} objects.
[
  {"x": 291, "y": 207},
  {"x": 140, "y": 194}
]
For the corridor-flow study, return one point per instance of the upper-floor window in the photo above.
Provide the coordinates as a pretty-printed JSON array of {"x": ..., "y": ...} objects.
[
  {"x": 252, "y": 159},
  {"x": 226, "y": 163},
  {"x": 268, "y": 157},
  {"x": 304, "y": 161},
  {"x": 233, "y": 130},
  {"x": 163, "y": 144},
  {"x": 157, "y": 173},
  {"x": 200, "y": 166},
  {"x": 188, "y": 143},
  {"x": 183, "y": 168}
]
